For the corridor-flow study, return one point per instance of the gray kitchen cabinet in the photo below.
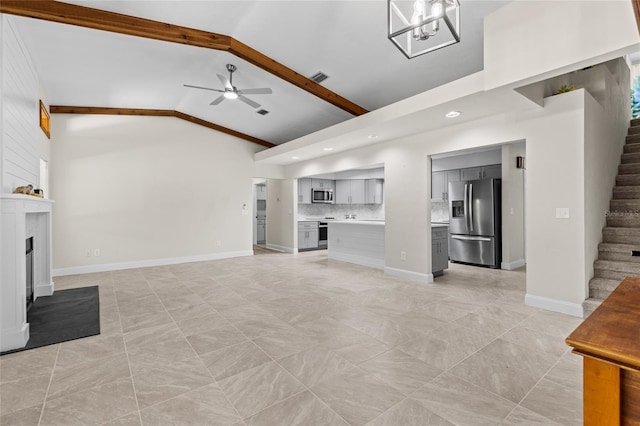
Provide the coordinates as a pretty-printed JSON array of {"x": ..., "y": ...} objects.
[
  {"x": 304, "y": 191},
  {"x": 261, "y": 230},
  {"x": 440, "y": 184},
  {"x": 471, "y": 173},
  {"x": 323, "y": 184},
  {"x": 349, "y": 191},
  {"x": 437, "y": 186},
  {"x": 439, "y": 249},
  {"x": 489, "y": 172},
  {"x": 307, "y": 235},
  {"x": 484, "y": 172},
  {"x": 261, "y": 192},
  {"x": 373, "y": 191}
]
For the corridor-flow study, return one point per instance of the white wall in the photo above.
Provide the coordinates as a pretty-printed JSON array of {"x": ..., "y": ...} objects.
[
  {"x": 281, "y": 217},
  {"x": 533, "y": 38},
  {"x": 513, "y": 192},
  {"x": 147, "y": 190},
  {"x": 22, "y": 141},
  {"x": 555, "y": 178}
]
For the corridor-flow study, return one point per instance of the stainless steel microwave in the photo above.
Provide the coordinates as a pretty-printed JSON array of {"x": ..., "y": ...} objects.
[{"x": 322, "y": 195}]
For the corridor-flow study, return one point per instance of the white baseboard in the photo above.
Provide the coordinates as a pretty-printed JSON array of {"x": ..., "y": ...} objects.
[
  {"x": 409, "y": 275},
  {"x": 509, "y": 266},
  {"x": 14, "y": 338},
  {"x": 43, "y": 289},
  {"x": 77, "y": 270},
  {"x": 574, "y": 309},
  {"x": 282, "y": 248}
]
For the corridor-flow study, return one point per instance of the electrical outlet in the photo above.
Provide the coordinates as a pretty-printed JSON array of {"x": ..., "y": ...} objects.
[
  {"x": 88, "y": 253},
  {"x": 511, "y": 210},
  {"x": 403, "y": 255},
  {"x": 96, "y": 252},
  {"x": 562, "y": 213}
]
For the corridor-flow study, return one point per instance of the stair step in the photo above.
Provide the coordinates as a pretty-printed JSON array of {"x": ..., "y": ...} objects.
[
  {"x": 629, "y": 169},
  {"x": 613, "y": 270},
  {"x": 623, "y": 220},
  {"x": 629, "y": 207},
  {"x": 618, "y": 252},
  {"x": 601, "y": 288},
  {"x": 631, "y": 147},
  {"x": 628, "y": 180},
  {"x": 590, "y": 305},
  {"x": 632, "y": 139},
  {"x": 621, "y": 236},
  {"x": 631, "y": 157},
  {"x": 634, "y": 130},
  {"x": 635, "y": 122},
  {"x": 627, "y": 192}
]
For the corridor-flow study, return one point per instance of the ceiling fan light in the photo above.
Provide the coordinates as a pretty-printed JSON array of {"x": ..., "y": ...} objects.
[{"x": 230, "y": 95}]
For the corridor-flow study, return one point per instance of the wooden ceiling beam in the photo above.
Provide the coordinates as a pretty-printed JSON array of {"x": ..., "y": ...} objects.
[
  {"x": 636, "y": 10},
  {"x": 60, "y": 109},
  {"x": 65, "y": 13}
]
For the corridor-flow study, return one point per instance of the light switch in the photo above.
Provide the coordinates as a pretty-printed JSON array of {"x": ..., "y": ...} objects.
[{"x": 562, "y": 213}]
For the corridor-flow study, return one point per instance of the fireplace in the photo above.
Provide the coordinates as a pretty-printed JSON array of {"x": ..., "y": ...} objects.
[
  {"x": 25, "y": 245},
  {"x": 29, "y": 272}
]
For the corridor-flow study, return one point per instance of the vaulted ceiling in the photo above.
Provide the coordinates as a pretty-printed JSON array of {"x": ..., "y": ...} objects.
[{"x": 82, "y": 66}]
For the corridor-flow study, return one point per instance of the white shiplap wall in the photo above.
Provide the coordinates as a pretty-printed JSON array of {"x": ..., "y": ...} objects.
[{"x": 21, "y": 132}]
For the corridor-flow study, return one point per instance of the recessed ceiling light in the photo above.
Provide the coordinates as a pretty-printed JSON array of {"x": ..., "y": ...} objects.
[
  {"x": 453, "y": 114},
  {"x": 327, "y": 149},
  {"x": 295, "y": 157},
  {"x": 372, "y": 136}
]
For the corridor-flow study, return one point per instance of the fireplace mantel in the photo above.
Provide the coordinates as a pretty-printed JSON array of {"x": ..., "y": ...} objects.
[{"x": 19, "y": 212}]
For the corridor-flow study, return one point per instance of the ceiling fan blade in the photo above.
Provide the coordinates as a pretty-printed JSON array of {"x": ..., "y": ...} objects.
[
  {"x": 203, "y": 88},
  {"x": 225, "y": 81},
  {"x": 260, "y": 91},
  {"x": 248, "y": 101},
  {"x": 217, "y": 100}
]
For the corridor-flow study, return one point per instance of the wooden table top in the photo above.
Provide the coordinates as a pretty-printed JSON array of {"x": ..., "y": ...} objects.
[{"x": 612, "y": 332}]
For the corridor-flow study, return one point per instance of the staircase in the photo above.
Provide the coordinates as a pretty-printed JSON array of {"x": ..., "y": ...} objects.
[{"x": 622, "y": 231}]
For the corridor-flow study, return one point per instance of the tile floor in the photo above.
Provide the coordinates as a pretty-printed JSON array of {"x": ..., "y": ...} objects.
[{"x": 278, "y": 339}]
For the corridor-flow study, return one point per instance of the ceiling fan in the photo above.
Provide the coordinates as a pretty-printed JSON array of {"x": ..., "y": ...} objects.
[{"x": 231, "y": 92}]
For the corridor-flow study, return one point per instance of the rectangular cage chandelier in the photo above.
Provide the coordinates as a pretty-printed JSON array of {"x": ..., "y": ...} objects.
[{"x": 417, "y": 27}]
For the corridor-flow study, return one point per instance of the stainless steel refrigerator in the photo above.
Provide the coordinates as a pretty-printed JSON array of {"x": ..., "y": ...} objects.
[{"x": 475, "y": 222}]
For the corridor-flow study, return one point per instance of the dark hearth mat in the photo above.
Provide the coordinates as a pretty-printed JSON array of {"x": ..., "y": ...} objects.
[{"x": 65, "y": 315}]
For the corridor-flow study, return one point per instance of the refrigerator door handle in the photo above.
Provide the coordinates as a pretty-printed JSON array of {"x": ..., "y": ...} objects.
[
  {"x": 471, "y": 207},
  {"x": 466, "y": 207},
  {"x": 465, "y": 238}
]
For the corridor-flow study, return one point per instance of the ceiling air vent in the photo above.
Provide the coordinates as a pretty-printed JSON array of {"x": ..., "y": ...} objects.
[
  {"x": 262, "y": 111},
  {"x": 319, "y": 77}
]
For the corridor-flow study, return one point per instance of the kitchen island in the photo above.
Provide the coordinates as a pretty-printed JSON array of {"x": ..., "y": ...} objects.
[{"x": 357, "y": 241}]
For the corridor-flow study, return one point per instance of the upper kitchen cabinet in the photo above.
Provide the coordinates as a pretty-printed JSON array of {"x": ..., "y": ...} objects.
[
  {"x": 437, "y": 186},
  {"x": 261, "y": 192},
  {"x": 373, "y": 191},
  {"x": 349, "y": 191},
  {"x": 440, "y": 184},
  {"x": 304, "y": 191},
  {"x": 485, "y": 172},
  {"x": 323, "y": 184}
]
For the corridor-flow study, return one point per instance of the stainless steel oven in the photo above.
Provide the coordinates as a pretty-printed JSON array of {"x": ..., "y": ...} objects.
[{"x": 323, "y": 234}]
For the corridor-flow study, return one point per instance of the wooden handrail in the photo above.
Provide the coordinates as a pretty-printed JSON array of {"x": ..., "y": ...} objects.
[{"x": 609, "y": 339}]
